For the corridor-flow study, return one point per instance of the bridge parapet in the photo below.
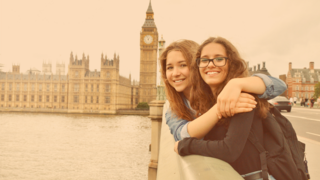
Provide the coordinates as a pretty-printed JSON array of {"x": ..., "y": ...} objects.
[{"x": 172, "y": 166}]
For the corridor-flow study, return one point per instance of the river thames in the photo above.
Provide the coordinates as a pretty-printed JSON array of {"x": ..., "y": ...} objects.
[{"x": 73, "y": 147}]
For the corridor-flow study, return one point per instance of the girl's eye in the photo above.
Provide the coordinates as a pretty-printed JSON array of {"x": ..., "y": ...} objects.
[
  {"x": 169, "y": 68},
  {"x": 183, "y": 65}
]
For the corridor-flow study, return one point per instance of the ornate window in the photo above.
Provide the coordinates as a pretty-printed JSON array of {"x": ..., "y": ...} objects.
[
  {"x": 25, "y": 87},
  {"x": 97, "y": 99},
  {"x": 97, "y": 87},
  {"x": 32, "y": 98},
  {"x": 40, "y": 87},
  {"x": 55, "y": 87},
  {"x": 24, "y": 98},
  {"x": 75, "y": 99},
  {"x": 18, "y": 87},
  {"x": 76, "y": 87},
  {"x": 2, "y": 97},
  {"x": 32, "y": 87},
  {"x": 2, "y": 87},
  {"x": 63, "y": 88},
  {"x": 62, "y": 98},
  {"x": 9, "y": 97},
  {"x": 91, "y": 87},
  {"x": 17, "y": 97},
  {"x": 55, "y": 98},
  {"x": 40, "y": 98},
  {"x": 107, "y": 99},
  {"x": 48, "y": 98},
  {"x": 107, "y": 88},
  {"x": 48, "y": 87},
  {"x": 91, "y": 99}
]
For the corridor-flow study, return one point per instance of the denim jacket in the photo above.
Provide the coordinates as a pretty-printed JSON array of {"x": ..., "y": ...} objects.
[{"x": 178, "y": 127}]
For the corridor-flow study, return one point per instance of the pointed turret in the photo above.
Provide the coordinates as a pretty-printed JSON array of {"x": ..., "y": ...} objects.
[
  {"x": 149, "y": 17},
  {"x": 149, "y": 10},
  {"x": 83, "y": 57},
  {"x": 71, "y": 58}
]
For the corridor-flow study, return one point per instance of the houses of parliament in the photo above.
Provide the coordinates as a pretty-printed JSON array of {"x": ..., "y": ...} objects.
[{"x": 81, "y": 90}]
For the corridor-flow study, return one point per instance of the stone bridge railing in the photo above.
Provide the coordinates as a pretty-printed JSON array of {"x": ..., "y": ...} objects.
[{"x": 167, "y": 165}]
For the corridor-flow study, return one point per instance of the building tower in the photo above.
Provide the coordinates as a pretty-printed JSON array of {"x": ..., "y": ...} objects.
[
  {"x": 161, "y": 95},
  {"x": 76, "y": 73},
  {"x": 148, "y": 58},
  {"x": 46, "y": 68},
  {"x": 16, "y": 69},
  {"x": 60, "y": 69}
]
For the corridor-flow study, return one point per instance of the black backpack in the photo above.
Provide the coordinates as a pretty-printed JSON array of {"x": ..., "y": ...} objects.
[{"x": 281, "y": 154}]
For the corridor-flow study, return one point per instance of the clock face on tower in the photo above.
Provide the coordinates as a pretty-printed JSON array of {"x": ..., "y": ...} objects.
[{"x": 148, "y": 39}]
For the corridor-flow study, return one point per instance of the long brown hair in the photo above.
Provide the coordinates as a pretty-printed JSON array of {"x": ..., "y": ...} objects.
[
  {"x": 188, "y": 49},
  {"x": 202, "y": 98}
]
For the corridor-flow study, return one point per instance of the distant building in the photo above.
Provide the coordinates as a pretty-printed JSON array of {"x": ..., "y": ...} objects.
[
  {"x": 283, "y": 77},
  {"x": 301, "y": 81},
  {"x": 82, "y": 90},
  {"x": 263, "y": 70}
]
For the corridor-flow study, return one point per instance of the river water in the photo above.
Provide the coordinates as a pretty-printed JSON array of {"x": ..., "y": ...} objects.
[{"x": 73, "y": 147}]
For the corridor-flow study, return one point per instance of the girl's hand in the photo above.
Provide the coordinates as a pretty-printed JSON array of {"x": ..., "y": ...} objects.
[
  {"x": 176, "y": 147},
  {"x": 231, "y": 101}
]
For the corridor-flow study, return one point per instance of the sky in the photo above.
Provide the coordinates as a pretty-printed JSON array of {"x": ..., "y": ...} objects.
[{"x": 275, "y": 31}]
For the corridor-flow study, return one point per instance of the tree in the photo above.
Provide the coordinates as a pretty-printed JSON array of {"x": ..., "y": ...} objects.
[
  {"x": 143, "y": 105},
  {"x": 316, "y": 90}
]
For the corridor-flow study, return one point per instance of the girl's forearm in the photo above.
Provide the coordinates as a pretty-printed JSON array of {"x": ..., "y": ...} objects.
[
  {"x": 253, "y": 84},
  {"x": 199, "y": 127}
]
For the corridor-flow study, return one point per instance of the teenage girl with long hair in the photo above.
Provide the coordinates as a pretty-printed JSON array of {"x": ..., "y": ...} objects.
[
  {"x": 217, "y": 65},
  {"x": 175, "y": 64}
]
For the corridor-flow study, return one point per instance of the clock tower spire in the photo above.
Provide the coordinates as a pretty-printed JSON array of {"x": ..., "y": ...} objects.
[{"x": 148, "y": 58}]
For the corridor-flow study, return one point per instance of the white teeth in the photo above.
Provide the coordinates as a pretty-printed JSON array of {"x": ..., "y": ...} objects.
[
  {"x": 179, "y": 81},
  {"x": 212, "y": 72}
]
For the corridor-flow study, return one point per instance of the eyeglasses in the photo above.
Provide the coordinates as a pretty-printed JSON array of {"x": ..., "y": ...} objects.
[{"x": 218, "y": 62}]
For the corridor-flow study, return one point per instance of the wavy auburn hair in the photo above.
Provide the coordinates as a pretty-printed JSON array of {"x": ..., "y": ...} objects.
[
  {"x": 202, "y": 98},
  {"x": 188, "y": 49}
]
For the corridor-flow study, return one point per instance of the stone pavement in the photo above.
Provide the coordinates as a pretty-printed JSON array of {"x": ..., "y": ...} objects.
[{"x": 313, "y": 157}]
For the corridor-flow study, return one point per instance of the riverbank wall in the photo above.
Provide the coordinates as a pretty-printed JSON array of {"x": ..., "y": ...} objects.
[{"x": 75, "y": 111}]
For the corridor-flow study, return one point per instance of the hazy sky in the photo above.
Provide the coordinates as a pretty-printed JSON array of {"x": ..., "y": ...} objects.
[{"x": 274, "y": 31}]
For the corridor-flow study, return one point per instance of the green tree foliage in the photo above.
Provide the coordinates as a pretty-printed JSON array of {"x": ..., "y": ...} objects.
[
  {"x": 143, "y": 105},
  {"x": 316, "y": 90}
]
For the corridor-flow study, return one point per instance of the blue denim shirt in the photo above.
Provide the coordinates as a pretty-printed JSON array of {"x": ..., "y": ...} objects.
[{"x": 178, "y": 127}]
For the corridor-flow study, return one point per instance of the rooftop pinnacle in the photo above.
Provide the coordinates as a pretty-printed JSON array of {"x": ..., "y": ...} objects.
[{"x": 150, "y": 8}]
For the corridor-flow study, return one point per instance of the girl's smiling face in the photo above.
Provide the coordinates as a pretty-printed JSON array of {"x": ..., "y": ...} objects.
[
  {"x": 177, "y": 72},
  {"x": 211, "y": 74}
]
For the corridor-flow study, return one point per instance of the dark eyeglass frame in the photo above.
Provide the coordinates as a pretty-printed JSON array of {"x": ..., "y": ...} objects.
[{"x": 211, "y": 60}]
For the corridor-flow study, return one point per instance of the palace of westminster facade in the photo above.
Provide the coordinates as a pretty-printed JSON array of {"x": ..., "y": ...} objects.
[{"x": 82, "y": 90}]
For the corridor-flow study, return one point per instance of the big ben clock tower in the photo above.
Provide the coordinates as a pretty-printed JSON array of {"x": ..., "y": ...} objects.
[{"x": 148, "y": 58}]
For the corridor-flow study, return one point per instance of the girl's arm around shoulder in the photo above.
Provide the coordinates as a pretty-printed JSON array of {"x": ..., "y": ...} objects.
[
  {"x": 227, "y": 149},
  {"x": 274, "y": 86}
]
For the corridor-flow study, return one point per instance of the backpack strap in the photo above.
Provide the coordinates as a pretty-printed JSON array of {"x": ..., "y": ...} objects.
[{"x": 263, "y": 154}]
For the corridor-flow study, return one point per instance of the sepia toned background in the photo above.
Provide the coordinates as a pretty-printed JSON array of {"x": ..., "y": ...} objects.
[{"x": 36, "y": 31}]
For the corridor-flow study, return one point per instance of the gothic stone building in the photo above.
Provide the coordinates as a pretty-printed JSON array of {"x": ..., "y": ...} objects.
[
  {"x": 82, "y": 90},
  {"x": 301, "y": 81}
]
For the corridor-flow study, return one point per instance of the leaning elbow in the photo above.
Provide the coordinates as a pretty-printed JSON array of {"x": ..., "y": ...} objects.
[{"x": 231, "y": 157}]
